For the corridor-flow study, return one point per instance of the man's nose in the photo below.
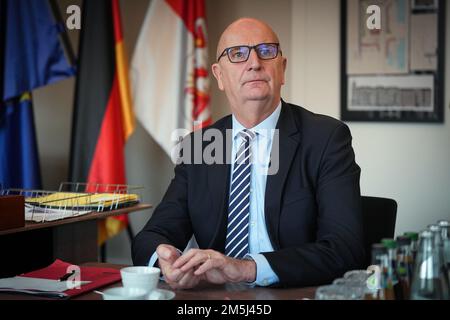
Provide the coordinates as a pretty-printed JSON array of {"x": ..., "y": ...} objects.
[{"x": 253, "y": 62}]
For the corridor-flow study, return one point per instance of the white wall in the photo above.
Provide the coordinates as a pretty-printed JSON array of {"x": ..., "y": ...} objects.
[{"x": 407, "y": 162}]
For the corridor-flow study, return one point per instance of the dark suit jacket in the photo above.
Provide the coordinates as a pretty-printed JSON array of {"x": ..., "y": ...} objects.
[{"x": 312, "y": 205}]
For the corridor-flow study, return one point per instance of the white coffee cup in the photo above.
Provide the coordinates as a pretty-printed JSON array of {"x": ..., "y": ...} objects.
[
  {"x": 140, "y": 277},
  {"x": 121, "y": 293}
]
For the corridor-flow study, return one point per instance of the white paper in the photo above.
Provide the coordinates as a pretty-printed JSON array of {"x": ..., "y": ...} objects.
[
  {"x": 33, "y": 284},
  {"x": 424, "y": 42},
  {"x": 39, "y": 214},
  {"x": 36, "y": 285},
  {"x": 378, "y": 51},
  {"x": 391, "y": 93}
]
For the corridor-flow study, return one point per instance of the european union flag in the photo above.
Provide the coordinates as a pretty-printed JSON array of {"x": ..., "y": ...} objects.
[{"x": 31, "y": 56}]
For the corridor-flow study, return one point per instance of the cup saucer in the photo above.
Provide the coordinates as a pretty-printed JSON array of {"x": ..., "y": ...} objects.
[{"x": 163, "y": 294}]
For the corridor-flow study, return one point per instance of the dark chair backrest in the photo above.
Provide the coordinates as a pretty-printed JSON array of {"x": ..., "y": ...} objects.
[{"x": 379, "y": 216}]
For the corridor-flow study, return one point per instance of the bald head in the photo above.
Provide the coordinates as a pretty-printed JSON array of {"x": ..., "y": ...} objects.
[
  {"x": 243, "y": 31},
  {"x": 252, "y": 85}
]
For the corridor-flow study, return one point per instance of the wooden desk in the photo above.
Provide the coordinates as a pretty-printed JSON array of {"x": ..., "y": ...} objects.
[
  {"x": 29, "y": 225},
  {"x": 38, "y": 244},
  {"x": 206, "y": 292}
]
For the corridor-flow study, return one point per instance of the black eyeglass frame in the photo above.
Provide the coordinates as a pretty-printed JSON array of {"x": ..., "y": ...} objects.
[{"x": 226, "y": 50}]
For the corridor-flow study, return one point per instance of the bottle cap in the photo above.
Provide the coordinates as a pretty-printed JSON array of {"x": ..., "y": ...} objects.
[
  {"x": 426, "y": 234},
  {"x": 434, "y": 228},
  {"x": 403, "y": 241},
  {"x": 443, "y": 223},
  {"x": 389, "y": 243},
  {"x": 414, "y": 236}
]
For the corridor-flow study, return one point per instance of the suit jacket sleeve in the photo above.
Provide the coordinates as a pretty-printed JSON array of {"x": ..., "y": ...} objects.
[
  {"x": 169, "y": 224},
  {"x": 339, "y": 240}
]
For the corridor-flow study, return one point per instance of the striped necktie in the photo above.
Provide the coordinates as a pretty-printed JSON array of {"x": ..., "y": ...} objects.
[{"x": 236, "y": 245}]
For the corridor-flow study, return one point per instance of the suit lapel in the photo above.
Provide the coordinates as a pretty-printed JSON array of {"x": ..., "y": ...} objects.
[
  {"x": 218, "y": 182},
  {"x": 289, "y": 138}
]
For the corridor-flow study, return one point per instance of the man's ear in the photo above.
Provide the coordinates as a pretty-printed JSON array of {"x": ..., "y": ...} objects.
[
  {"x": 217, "y": 72},
  {"x": 284, "y": 70}
]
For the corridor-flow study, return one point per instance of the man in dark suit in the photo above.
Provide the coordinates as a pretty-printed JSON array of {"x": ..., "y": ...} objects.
[{"x": 288, "y": 217}]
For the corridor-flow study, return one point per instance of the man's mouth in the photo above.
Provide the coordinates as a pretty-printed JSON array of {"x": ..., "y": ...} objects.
[{"x": 254, "y": 81}]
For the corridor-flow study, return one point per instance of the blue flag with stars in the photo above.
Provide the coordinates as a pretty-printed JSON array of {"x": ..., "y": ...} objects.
[{"x": 31, "y": 56}]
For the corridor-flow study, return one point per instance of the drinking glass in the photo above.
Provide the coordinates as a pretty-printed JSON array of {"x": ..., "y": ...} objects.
[{"x": 335, "y": 292}]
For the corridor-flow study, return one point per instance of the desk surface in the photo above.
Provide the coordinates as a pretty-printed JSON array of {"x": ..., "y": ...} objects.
[
  {"x": 206, "y": 292},
  {"x": 29, "y": 225}
]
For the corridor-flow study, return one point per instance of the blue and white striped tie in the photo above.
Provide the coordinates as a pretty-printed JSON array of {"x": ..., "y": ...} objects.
[{"x": 236, "y": 245}]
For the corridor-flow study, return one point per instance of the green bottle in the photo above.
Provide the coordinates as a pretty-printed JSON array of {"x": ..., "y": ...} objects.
[
  {"x": 378, "y": 280},
  {"x": 414, "y": 236},
  {"x": 393, "y": 278},
  {"x": 404, "y": 264}
]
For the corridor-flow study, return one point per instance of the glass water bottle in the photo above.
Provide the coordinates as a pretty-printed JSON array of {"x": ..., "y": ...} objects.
[{"x": 427, "y": 281}]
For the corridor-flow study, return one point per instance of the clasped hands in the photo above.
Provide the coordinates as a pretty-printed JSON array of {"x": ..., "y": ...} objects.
[{"x": 196, "y": 265}]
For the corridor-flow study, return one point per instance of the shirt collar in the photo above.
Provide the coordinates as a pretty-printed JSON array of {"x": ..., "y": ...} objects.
[{"x": 263, "y": 128}]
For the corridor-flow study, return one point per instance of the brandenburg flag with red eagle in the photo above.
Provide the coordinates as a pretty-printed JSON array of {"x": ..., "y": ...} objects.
[{"x": 169, "y": 70}]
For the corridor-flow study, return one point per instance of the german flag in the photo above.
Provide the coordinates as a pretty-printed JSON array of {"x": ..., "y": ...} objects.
[{"x": 103, "y": 117}]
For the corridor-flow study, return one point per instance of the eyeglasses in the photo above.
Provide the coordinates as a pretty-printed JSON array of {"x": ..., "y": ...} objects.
[{"x": 265, "y": 51}]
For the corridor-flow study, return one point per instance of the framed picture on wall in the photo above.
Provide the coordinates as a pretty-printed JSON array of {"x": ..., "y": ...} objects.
[{"x": 392, "y": 60}]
